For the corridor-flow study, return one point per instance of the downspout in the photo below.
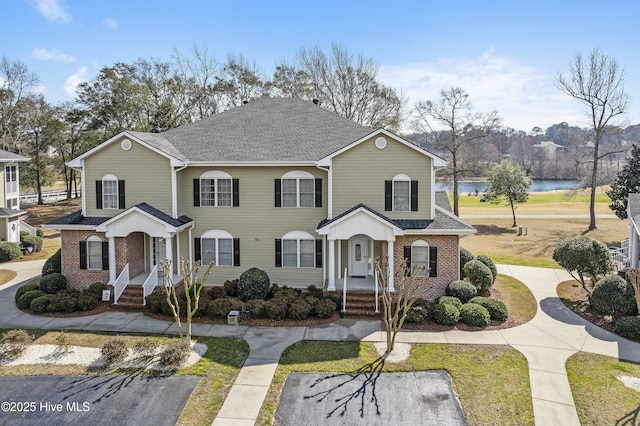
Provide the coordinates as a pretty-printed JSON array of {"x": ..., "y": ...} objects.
[
  {"x": 325, "y": 264},
  {"x": 329, "y": 191},
  {"x": 174, "y": 190}
]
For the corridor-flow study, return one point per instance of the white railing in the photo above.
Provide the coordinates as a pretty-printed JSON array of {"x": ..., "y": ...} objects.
[
  {"x": 149, "y": 284},
  {"x": 376, "y": 279},
  {"x": 344, "y": 291},
  {"x": 24, "y": 226},
  {"x": 120, "y": 284}
]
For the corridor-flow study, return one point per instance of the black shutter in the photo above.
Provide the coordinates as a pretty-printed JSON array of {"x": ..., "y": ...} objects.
[
  {"x": 236, "y": 195},
  {"x": 105, "y": 256},
  {"x": 414, "y": 195},
  {"x": 236, "y": 252},
  {"x": 278, "y": 193},
  {"x": 388, "y": 195},
  {"x": 278, "y": 253},
  {"x": 196, "y": 192},
  {"x": 83, "y": 255},
  {"x": 318, "y": 253},
  {"x": 319, "y": 192},
  {"x": 198, "y": 252},
  {"x": 121, "y": 202},
  {"x": 433, "y": 261},
  {"x": 407, "y": 260},
  {"x": 98, "y": 194}
]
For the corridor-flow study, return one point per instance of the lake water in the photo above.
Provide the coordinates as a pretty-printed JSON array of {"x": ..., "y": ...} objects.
[{"x": 536, "y": 186}]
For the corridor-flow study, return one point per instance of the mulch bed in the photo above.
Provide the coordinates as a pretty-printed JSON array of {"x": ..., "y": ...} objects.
[{"x": 578, "y": 297}]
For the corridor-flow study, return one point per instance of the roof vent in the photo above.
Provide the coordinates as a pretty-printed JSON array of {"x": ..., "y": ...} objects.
[
  {"x": 245, "y": 102},
  {"x": 316, "y": 102}
]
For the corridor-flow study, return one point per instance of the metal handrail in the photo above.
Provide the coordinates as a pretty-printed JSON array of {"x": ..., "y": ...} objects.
[
  {"x": 344, "y": 291},
  {"x": 377, "y": 301},
  {"x": 120, "y": 284},
  {"x": 149, "y": 284}
]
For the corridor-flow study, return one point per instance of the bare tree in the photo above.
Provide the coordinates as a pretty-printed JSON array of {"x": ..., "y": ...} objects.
[
  {"x": 199, "y": 74},
  {"x": 598, "y": 83},
  {"x": 397, "y": 303},
  {"x": 453, "y": 110},
  {"x": 16, "y": 84},
  {"x": 240, "y": 81}
]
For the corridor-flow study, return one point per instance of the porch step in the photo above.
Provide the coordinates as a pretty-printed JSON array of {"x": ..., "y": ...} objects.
[
  {"x": 361, "y": 304},
  {"x": 130, "y": 298}
]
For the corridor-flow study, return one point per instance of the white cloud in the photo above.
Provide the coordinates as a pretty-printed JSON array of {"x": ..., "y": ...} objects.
[
  {"x": 111, "y": 23},
  {"x": 80, "y": 76},
  {"x": 53, "y": 10},
  {"x": 523, "y": 95},
  {"x": 51, "y": 55}
]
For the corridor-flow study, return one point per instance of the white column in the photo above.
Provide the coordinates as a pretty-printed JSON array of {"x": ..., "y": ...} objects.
[
  {"x": 391, "y": 265},
  {"x": 169, "y": 252},
  {"x": 112, "y": 260},
  {"x": 633, "y": 247},
  {"x": 331, "y": 285},
  {"x": 339, "y": 258}
]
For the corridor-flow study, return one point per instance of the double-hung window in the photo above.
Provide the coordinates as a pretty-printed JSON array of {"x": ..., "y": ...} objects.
[
  {"x": 109, "y": 192},
  {"x": 216, "y": 189},
  {"x": 298, "y": 249},
  {"x": 218, "y": 247},
  {"x": 298, "y": 189},
  {"x": 401, "y": 194}
]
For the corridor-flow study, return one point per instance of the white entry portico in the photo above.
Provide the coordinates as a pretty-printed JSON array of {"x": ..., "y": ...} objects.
[{"x": 360, "y": 226}]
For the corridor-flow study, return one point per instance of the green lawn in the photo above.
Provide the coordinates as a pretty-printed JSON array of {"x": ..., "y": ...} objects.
[{"x": 538, "y": 198}]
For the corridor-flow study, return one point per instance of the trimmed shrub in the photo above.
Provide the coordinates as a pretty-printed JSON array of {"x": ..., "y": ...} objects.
[
  {"x": 53, "y": 264},
  {"x": 628, "y": 327},
  {"x": 23, "y": 234},
  {"x": 114, "y": 350},
  {"x": 87, "y": 302},
  {"x": 25, "y": 288},
  {"x": 325, "y": 308},
  {"x": 313, "y": 301},
  {"x": 314, "y": 291},
  {"x": 581, "y": 254},
  {"x": 256, "y": 308},
  {"x": 446, "y": 314},
  {"x": 25, "y": 300},
  {"x": 479, "y": 275},
  {"x": 219, "y": 308},
  {"x": 231, "y": 288},
  {"x": 463, "y": 290},
  {"x": 492, "y": 266},
  {"x": 145, "y": 349},
  {"x": 175, "y": 353},
  {"x": 9, "y": 251},
  {"x": 418, "y": 312},
  {"x": 613, "y": 295},
  {"x": 64, "y": 301},
  {"x": 14, "y": 343},
  {"x": 276, "y": 309},
  {"x": 154, "y": 301},
  {"x": 217, "y": 293},
  {"x": 254, "y": 283},
  {"x": 53, "y": 283},
  {"x": 450, "y": 300},
  {"x": 32, "y": 241},
  {"x": 465, "y": 257},
  {"x": 95, "y": 289},
  {"x": 40, "y": 304},
  {"x": 40, "y": 233},
  {"x": 300, "y": 309},
  {"x": 497, "y": 310},
  {"x": 286, "y": 294},
  {"x": 474, "y": 315}
]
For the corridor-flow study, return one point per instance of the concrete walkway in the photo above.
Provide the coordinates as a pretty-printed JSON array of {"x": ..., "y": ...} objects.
[{"x": 554, "y": 334}]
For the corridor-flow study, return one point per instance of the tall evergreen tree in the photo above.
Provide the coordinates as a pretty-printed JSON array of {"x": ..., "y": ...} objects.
[{"x": 627, "y": 180}]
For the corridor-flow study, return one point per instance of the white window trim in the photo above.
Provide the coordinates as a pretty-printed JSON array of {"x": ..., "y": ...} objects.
[
  {"x": 298, "y": 175},
  {"x": 400, "y": 178},
  {"x": 298, "y": 236},
  {"x": 424, "y": 272},
  {"x": 110, "y": 178},
  {"x": 216, "y": 175},
  {"x": 218, "y": 235},
  {"x": 89, "y": 240}
]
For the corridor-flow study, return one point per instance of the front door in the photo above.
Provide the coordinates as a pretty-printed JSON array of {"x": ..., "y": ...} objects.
[
  {"x": 359, "y": 256},
  {"x": 159, "y": 253}
]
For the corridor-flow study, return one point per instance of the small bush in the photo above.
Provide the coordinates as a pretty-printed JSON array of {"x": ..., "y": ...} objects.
[
  {"x": 32, "y": 241},
  {"x": 175, "y": 353},
  {"x": 40, "y": 304},
  {"x": 40, "y": 233},
  {"x": 145, "y": 349},
  {"x": 446, "y": 314},
  {"x": 276, "y": 309},
  {"x": 64, "y": 301},
  {"x": 53, "y": 264},
  {"x": 25, "y": 300},
  {"x": 254, "y": 283},
  {"x": 628, "y": 327},
  {"x": 479, "y": 275},
  {"x": 490, "y": 264},
  {"x": 64, "y": 344},
  {"x": 325, "y": 308},
  {"x": 497, "y": 310},
  {"x": 314, "y": 291},
  {"x": 231, "y": 288},
  {"x": 286, "y": 294},
  {"x": 53, "y": 283},
  {"x": 219, "y": 308},
  {"x": 114, "y": 350},
  {"x": 154, "y": 301},
  {"x": 256, "y": 308},
  {"x": 300, "y": 309},
  {"x": 23, "y": 234},
  {"x": 450, "y": 300},
  {"x": 25, "y": 288},
  {"x": 613, "y": 295},
  {"x": 463, "y": 290},
  {"x": 86, "y": 302},
  {"x": 313, "y": 301},
  {"x": 465, "y": 257},
  {"x": 474, "y": 315},
  {"x": 418, "y": 312},
  {"x": 217, "y": 292},
  {"x": 14, "y": 343},
  {"x": 9, "y": 251},
  {"x": 95, "y": 289}
]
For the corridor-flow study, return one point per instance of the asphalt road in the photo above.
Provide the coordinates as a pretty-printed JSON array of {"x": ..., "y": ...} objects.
[{"x": 94, "y": 400}]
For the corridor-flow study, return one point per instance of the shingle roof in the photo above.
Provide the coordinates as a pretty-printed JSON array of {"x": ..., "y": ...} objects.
[
  {"x": 268, "y": 129},
  {"x": 10, "y": 212},
  {"x": 182, "y": 220},
  {"x": 633, "y": 207},
  {"x": 444, "y": 220},
  {"x": 77, "y": 218},
  {"x": 442, "y": 200},
  {"x": 10, "y": 156}
]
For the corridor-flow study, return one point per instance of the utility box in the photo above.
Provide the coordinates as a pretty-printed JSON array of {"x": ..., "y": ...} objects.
[{"x": 233, "y": 318}]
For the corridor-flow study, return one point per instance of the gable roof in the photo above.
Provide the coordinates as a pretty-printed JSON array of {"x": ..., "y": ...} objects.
[
  {"x": 633, "y": 210},
  {"x": 10, "y": 157}
]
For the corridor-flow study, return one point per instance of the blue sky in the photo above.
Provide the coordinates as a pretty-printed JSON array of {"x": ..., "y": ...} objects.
[{"x": 506, "y": 54}]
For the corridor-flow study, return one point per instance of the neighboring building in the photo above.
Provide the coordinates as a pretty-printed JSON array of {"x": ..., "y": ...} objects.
[
  {"x": 278, "y": 184},
  {"x": 547, "y": 149},
  {"x": 10, "y": 213}
]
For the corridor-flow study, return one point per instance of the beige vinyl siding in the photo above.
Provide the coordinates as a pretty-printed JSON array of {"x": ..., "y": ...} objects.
[
  {"x": 359, "y": 174},
  {"x": 147, "y": 177},
  {"x": 256, "y": 222}
]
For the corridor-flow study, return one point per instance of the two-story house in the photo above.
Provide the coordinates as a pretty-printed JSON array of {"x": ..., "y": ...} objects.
[
  {"x": 10, "y": 213},
  {"x": 279, "y": 184}
]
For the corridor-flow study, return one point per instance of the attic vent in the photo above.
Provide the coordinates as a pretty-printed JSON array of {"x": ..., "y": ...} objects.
[
  {"x": 126, "y": 144},
  {"x": 316, "y": 101},
  {"x": 245, "y": 102},
  {"x": 381, "y": 143}
]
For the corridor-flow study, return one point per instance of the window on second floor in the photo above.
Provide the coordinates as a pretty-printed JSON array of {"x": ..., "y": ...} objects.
[
  {"x": 298, "y": 189},
  {"x": 216, "y": 189},
  {"x": 110, "y": 193},
  {"x": 11, "y": 179},
  {"x": 401, "y": 194}
]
